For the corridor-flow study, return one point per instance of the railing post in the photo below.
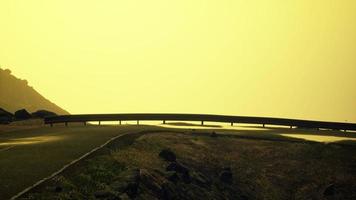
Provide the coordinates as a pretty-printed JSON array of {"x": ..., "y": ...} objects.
[
  {"x": 232, "y": 123},
  {"x": 85, "y": 123},
  {"x": 99, "y": 123},
  {"x": 138, "y": 122},
  {"x": 164, "y": 121},
  {"x": 263, "y": 125},
  {"x": 120, "y": 122},
  {"x": 202, "y": 123}
]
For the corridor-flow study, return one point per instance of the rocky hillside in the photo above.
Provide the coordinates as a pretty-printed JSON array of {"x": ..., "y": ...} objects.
[{"x": 16, "y": 94}]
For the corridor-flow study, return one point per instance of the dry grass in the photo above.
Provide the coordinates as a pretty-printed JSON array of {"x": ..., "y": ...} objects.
[
  {"x": 263, "y": 169},
  {"x": 273, "y": 167}
]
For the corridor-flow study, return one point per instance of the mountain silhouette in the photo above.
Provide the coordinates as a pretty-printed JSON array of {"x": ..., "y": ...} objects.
[{"x": 16, "y": 94}]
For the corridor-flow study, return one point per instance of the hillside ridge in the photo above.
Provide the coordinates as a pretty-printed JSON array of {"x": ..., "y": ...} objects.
[{"x": 16, "y": 94}]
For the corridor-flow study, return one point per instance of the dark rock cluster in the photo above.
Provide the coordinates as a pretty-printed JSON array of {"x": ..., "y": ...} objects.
[
  {"x": 226, "y": 175},
  {"x": 175, "y": 181},
  {"x": 5, "y": 117},
  {"x": 213, "y": 134},
  {"x": 22, "y": 114},
  {"x": 43, "y": 114},
  {"x": 167, "y": 155}
]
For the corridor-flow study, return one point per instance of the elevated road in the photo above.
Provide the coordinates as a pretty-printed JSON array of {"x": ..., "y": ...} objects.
[{"x": 202, "y": 118}]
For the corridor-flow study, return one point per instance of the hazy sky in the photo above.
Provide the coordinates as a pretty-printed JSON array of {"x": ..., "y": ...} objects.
[{"x": 277, "y": 58}]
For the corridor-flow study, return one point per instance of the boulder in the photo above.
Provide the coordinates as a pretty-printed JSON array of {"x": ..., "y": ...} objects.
[
  {"x": 22, "y": 114},
  {"x": 177, "y": 167},
  {"x": 226, "y": 176},
  {"x": 5, "y": 113},
  {"x": 167, "y": 155},
  {"x": 58, "y": 189},
  {"x": 329, "y": 190},
  {"x": 172, "y": 176},
  {"x": 213, "y": 134},
  {"x": 5, "y": 117},
  {"x": 43, "y": 114},
  {"x": 186, "y": 177},
  {"x": 132, "y": 189}
]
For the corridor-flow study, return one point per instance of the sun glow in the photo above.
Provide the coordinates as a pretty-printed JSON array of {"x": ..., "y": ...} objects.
[
  {"x": 320, "y": 138},
  {"x": 30, "y": 140},
  {"x": 275, "y": 58}
]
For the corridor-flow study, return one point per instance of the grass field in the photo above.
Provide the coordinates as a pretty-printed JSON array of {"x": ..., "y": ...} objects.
[{"x": 265, "y": 163}]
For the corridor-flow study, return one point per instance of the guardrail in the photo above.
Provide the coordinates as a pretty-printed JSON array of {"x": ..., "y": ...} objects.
[{"x": 202, "y": 118}]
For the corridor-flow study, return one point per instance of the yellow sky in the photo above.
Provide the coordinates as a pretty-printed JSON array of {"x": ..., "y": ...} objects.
[{"x": 277, "y": 58}]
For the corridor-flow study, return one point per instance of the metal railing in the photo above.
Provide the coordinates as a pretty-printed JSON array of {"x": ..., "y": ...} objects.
[{"x": 202, "y": 118}]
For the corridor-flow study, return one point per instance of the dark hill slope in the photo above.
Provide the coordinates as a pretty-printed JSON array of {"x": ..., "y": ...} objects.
[{"x": 16, "y": 94}]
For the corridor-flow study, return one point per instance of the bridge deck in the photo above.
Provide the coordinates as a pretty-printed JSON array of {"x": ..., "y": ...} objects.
[{"x": 201, "y": 117}]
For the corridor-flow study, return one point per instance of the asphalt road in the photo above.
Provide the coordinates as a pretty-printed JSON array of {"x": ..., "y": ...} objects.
[{"x": 28, "y": 156}]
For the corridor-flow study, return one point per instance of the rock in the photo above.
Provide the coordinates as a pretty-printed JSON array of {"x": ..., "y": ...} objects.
[
  {"x": 186, "y": 177},
  {"x": 43, "y": 114},
  {"x": 167, "y": 155},
  {"x": 5, "y": 117},
  {"x": 243, "y": 197},
  {"x": 330, "y": 190},
  {"x": 226, "y": 176},
  {"x": 175, "y": 166},
  {"x": 213, "y": 134},
  {"x": 22, "y": 114},
  {"x": 5, "y": 120},
  {"x": 227, "y": 168},
  {"x": 58, "y": 189},
  {"x": 172, "y": 176},
  {"x": 132, "y": 190}
]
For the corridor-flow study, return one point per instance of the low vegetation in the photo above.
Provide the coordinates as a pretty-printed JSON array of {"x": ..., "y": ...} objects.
[{"x": 201, "y": 165}]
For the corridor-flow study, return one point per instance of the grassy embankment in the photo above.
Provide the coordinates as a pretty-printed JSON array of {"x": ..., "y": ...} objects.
[{"x": 264, "y": 166}]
